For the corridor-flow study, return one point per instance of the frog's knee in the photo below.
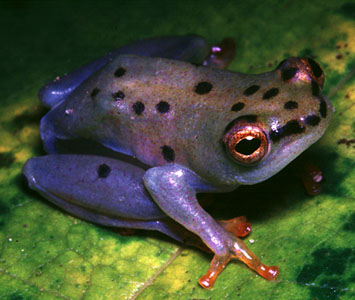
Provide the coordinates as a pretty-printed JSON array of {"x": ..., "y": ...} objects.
[
  {"x": 51, "y": 94},
  {"x": 161, "y": 174},
  {"x": 152, "y": 178},
  {"x": 58, "y": 90}
]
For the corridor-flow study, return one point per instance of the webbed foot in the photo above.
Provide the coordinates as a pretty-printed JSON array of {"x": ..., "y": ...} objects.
[{"x": 238, "y": 250}]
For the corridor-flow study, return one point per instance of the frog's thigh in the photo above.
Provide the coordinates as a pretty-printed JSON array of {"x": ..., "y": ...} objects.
[
  {"x": 173, "y": 188},
  {"x": 101, "y": 185},
  {"x": 190, "y": 48}
]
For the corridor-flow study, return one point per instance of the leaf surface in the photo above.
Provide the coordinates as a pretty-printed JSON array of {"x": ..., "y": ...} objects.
[{"x": 48, "y": 254}]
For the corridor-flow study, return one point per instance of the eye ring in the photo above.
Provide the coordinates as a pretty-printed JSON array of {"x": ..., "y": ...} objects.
[{"x": 246, "y": 143}]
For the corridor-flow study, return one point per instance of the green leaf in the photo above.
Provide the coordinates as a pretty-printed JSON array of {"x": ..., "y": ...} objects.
[{"x": 48, "y": 254}]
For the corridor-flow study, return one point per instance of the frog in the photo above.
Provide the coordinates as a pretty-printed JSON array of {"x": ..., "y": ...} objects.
[{"x": 135, "y": 135}]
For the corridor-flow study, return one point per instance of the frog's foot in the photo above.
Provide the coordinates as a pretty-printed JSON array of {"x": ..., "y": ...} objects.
[
  {"x": 221, "y": 55},
  {"x": 309, "y": 173},
  {"x": 238, "y": 251},
  {"x": 312, "y": 178},
  {"x": 238, "y": 226}
]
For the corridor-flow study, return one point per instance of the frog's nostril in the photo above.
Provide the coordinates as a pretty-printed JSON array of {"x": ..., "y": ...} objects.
[
  {"x": 304, "y": 69},
  {"x": 288, "y": 73},
  {"x": 289, "y": 68},
  {"x": 314, "y": 70}
]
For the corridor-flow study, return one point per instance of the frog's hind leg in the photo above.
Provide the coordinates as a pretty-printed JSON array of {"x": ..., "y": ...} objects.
[
  {"x": 102, "y": 190},
  {"x": 192, "y": 48}
]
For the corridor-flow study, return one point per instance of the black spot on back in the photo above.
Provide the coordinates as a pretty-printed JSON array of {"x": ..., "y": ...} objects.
[
  {"x": 203, "y": 87},
  {"x": 251, "y": 90},
  {"x": 316, "y": 69},
  {"x": 291, "y": 127},
  {"x": 288, "y": 73},
  {"x": 138, "y": 107},
  {"x": 103, "y": 171},
  {"x": 271, "y": 93},
  {"x": 323, "y": 108},
  {"x": 238, "y": 106},
  {"x": 6, "y": 159},
  {"x": 94, "y": 92},
  {"x": 168, "y": 153},
  {"x": 118, "y": 96},
  {"x": 163, "y": 107},
  {"x": 312, "y": 120},
  {"x": 315, "y": 88},
  {"x": 291, "y": 105},
  {"x": 120, "y": 72}
]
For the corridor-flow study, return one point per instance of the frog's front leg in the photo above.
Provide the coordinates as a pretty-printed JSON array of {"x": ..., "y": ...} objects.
[{"x": 174, "y": 188}]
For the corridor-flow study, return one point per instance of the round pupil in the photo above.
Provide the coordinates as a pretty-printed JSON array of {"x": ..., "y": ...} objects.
[{"x": 247, "y": 146}]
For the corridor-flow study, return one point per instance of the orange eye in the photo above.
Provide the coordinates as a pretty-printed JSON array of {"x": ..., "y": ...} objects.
[{"x": 247, "y": 144}]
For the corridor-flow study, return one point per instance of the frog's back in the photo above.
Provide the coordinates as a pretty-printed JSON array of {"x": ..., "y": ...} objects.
[
  {"x": 151, "y": 108},
  {"x": 163, "y": 111}
]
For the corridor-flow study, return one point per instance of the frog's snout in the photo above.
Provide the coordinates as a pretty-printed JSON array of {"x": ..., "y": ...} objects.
[{"x": 301, "y": 68}]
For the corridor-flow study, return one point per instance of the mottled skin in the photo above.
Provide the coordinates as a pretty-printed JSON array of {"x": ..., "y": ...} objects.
[{"x": 175, "y": 118}]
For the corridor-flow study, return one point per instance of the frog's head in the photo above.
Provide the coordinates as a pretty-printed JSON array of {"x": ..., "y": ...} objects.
[{"x": 292, "y": 115}]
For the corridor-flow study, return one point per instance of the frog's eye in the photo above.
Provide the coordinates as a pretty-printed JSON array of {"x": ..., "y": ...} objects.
[{"x": 248, "y": 144}]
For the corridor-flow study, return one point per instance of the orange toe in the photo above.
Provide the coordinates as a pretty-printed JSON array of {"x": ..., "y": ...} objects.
[{"x": 238, "y": 226}]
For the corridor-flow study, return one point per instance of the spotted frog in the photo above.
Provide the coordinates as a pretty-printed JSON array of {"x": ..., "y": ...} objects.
[{"x": 134, "y": 135}]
